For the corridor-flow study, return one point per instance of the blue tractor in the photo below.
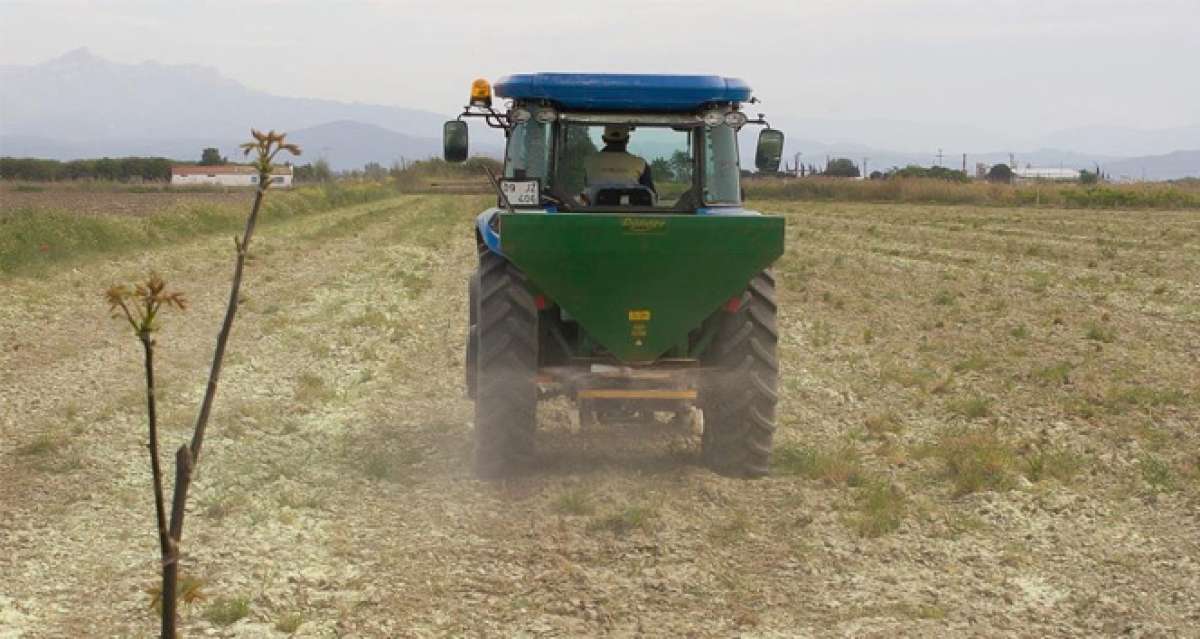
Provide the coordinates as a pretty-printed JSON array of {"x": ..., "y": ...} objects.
[{"x": 619, "y": 267}]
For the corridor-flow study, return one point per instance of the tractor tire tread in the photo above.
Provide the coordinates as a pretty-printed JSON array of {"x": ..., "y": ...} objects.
[
  {"x": 739, "y": 405},
  {"x": 505, "y": 391}
]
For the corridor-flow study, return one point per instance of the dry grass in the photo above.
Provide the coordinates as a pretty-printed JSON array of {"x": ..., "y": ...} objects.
[
  {"x": 1006, "y": 320},
  {"x": 732, "y": 529},
  {"x": 289, "y": 623},
  {"x": 576, "y": 502},
  {"x": 62, "y": 227},
  {"x": 831, "y": 466},
  {"x": 974, "y": 460},
  {"x": 1157, "y": 473},
  {"x": 918, "y": 190},
  {"x": 928, "y": 452},
  {"x": 382, "y": 450},
  {"x": 225, "y": 611},
  {"x": 884, "y": 424},
  {"x": 880, "y": 509},
  {"x": 1055, "y": 463},
  {"x": 971, "y": 407},
  {"x": 312, "y": 389},
  {"x": 626, "y": 520},
  {"x": 42, "y": 445}
]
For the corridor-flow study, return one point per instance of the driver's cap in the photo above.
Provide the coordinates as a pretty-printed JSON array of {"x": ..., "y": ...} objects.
[{"x": 616, "y": 133}]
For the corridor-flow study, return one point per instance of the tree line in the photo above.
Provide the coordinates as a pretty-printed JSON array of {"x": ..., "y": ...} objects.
[
  {"x": 997, "y": 173},
  {"x": 116, "y": 169},
  {"x": 847, "y": 168}
]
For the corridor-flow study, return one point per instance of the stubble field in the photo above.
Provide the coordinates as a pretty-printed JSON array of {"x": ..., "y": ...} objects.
[
  {"x": 111, "y": 199},
  {"x": 988, "y": 426}
]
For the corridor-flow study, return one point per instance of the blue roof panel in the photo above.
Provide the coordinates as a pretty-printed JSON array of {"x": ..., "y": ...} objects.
[{"x": 619, "y": 91}]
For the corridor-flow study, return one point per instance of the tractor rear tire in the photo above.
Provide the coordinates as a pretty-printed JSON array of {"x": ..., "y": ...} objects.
[
  {"x": 739, "y": 395},
  {"x": 471, "y": 363},
  {"x": 507, "y": 361}
]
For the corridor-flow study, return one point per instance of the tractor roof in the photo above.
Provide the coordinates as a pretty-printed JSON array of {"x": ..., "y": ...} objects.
[{"x": 623, "y": 92}]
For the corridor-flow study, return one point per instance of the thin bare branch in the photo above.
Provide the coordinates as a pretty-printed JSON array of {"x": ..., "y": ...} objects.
[
  {"x": 150, "y": 297},
  {"x": 152, "y": 444}
]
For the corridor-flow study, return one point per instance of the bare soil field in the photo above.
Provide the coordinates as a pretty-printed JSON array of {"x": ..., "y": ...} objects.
[
  {"x": 988, "y": 427},
  {"x": 115, "y": 201}
]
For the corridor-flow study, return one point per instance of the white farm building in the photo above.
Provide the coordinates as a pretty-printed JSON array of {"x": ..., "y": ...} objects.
[
  {"x": 227, "y": 175},
  {"x": 1043, "y": 174}
]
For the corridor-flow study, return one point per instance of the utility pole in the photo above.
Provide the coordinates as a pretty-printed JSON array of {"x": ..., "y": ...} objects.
[
  {"x": 939, "y": 157},
  {"x": 964, "y": 163}
]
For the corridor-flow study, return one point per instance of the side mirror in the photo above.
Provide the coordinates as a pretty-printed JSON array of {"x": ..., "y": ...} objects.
[
  {"x": 770, "y": 150},
  {"x": 454, "y": 141}
]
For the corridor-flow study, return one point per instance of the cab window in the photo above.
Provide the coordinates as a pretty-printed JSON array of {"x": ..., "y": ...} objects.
[
  {"x": 722, "y": 172},
  {"x": 644, "y": 166},
  {"x": 529, "y": 147}
]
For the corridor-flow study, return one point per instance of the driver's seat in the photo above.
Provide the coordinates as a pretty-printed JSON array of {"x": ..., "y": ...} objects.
[{"x": 620, "y": 195}]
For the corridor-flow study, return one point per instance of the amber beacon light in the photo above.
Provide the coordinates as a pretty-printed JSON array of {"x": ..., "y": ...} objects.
[{"x": 481, "y": 93}]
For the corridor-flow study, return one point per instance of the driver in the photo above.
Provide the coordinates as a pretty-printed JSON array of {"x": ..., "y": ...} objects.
[{"x": 614, "y": 165}]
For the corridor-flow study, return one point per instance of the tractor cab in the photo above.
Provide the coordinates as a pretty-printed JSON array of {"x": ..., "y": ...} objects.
[{"x": 618, "y": 143}]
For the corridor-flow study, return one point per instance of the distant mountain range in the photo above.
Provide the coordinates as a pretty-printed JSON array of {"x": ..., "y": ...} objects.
[
  {"x": 1169, "y": 166},
  {"x": 345, "y": 144},
  {"x": 349, "y": 143},
  {"x": 81, "y": 105},
  {"x": 919, "y": 138},
  {"x": 1125, "y": 141}
]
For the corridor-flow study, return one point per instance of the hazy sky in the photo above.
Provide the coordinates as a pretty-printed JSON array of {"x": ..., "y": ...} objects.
[{"x": 1017, "y": 67}]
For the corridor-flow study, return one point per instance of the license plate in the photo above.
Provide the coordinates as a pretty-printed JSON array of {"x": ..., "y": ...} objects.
[{"x": 522, "y": 192}]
